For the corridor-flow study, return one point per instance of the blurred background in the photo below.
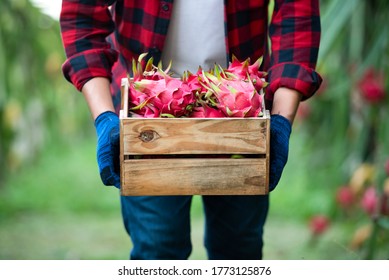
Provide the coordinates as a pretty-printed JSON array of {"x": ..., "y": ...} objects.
[{"x": 332, "y": 201}]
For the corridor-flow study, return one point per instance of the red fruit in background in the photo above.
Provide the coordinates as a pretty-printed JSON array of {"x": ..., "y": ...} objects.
[
  {"x": 372, "y": 86},
  {"x": 369, "y": 200},
  {"x": 319, "y": 224},
  {"x": 387, "y": 167},
  {"x": 345, "y": 197},
  {"x": 384, "y": 208}
]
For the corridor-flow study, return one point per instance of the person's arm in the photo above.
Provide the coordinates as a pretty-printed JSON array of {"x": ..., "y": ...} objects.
[
  {"x": 98, "y": 97},
  {"x": 84, "y": 28},
  {"x": 286, "y": 102},
  {"x": 295, "y": 37}
]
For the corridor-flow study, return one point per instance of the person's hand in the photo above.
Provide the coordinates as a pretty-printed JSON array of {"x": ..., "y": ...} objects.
[
  {"x": 280, "y": 129},
  {"x": 108, "y": 148}
]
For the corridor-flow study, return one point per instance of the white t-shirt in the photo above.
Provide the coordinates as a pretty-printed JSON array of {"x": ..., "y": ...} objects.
[{"x": 195, "y": 36}]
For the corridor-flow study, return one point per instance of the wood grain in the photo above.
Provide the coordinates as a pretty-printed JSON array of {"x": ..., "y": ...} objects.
[
  {"x": 197, "y": 143},
  {"x": 216, "y": 176},
  {"x": 195, "y": 136}
]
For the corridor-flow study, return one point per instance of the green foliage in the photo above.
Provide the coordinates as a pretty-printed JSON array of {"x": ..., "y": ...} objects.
[
  {"x": 35, "y": 103},
  {"x": 61, "y": 180},
  {"x": 57, "y": 208},
  {"x": 345, "y": 128}
]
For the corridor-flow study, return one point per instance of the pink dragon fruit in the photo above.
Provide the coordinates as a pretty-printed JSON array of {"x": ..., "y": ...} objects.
[
  {"x": 232, "y": 92},
  {"x": 235, "y": 98},
  {"x": 154, "y": 93},
  {"x": 167, "y": 97},
  {"x": 138, "y": 101},
  {"x": 149, "y": 72},
  {"x": 193, "y": 81},
  {"x": 242, "y": 70},
  {"x": 206, "y": 111}
]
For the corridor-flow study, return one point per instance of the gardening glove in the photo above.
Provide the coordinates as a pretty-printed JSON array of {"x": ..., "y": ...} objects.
[
  {"x": 280, "y": 129},
  {"x": 108, "y": 148}
]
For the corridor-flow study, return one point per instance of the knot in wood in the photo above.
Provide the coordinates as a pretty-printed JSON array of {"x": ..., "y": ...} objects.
[{"x": 148, "y": 135}]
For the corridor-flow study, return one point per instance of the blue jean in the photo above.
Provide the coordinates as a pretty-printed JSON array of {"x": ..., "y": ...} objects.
[{"x": 159, "y": 226}]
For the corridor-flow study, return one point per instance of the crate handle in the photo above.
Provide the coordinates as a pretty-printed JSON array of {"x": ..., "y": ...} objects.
[{"x": 124, "y": 89}]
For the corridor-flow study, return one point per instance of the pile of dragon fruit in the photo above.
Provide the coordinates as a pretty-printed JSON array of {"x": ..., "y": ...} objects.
[{"x": 217, "y": 93}]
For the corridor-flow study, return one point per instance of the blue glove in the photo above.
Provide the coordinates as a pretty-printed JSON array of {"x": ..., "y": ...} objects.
[
  {"x": 108, "y": 148},
  {"x": 280, "y": 129}
]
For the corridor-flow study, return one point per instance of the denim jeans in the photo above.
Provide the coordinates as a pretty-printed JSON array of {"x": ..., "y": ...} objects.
[{"x": 159, "y": 226}]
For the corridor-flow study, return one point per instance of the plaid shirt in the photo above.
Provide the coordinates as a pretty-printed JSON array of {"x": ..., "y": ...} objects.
[{"x": 101, "y": 36}]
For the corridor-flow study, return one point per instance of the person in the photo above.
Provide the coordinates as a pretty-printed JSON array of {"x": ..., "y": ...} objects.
[{"x": 101, "y": 37}]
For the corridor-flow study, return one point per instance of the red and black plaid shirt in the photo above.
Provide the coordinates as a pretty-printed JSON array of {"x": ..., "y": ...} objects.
[{"x": 96, "y": 33}]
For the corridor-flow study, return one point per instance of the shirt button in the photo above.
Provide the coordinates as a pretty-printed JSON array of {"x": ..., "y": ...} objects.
[{"x": 165, "y": 7}]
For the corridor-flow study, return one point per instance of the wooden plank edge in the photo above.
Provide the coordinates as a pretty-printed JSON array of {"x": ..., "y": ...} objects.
[{"x": 162, "y": 177}]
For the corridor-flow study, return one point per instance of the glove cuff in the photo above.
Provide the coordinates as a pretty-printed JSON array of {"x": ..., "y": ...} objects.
[
  {"x": 281, "y": 124},
  {"x": 106, "y": 116}
]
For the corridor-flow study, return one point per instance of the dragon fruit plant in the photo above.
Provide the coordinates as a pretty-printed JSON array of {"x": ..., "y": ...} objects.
[{"x": 232, "y": 92}]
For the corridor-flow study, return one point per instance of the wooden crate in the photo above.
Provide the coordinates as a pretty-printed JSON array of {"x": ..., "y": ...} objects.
[{"x": 193, "y": 156}]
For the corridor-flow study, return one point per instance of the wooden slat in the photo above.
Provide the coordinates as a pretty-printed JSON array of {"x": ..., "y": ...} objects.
[
  {"x": 194, "y": 136},
  {"x": 217, "y": 176},
  {"x": 124, "y": 98},
  {"x": 267, "y": 167}
]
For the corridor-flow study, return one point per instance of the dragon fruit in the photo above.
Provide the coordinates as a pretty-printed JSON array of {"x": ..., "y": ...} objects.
[
  {"x": 232, "y": 92},
  {"x": 154, "y": 93},
  {"x": 167, "y": 97},
  {"x": 234, "y": 97},
  {"x": 138, "y": 102},
  {"x": 149, "y": 72},
  {"x": 206, "y": 111},
  {"x": 243, "y": 70},
  {"x": 238, "y": 99}
]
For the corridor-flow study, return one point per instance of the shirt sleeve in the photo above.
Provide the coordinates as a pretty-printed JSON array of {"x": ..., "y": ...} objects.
[
  {"x": 85, "y": 24},
  {"x": 295, "y": 37}
]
